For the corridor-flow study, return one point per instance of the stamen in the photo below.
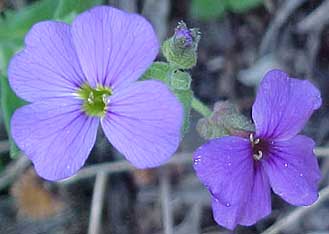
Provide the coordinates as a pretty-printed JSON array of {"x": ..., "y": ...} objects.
[
  {"x": 253, "y": 140},
  {"x": 95, "y": 99},
  {"x": 258, "y": 156},
  {"x": 251, "y": 137},
  {"x": 257, "y": 147}
]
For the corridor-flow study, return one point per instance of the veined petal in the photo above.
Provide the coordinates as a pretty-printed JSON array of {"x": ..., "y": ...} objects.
[
  {"x": 225, "y": 166},
  {"x": 48, "y": 65},
  {"x": 55, "y": 135},
  {"x": 114, "y": 47},
  {"x": 293, "y": 170},
  {"x": 259, "y": 202},
  {"x": 144, "y": 122},
  {"x": 283, "y": 105},
  {"x": 256, "y": 206}
]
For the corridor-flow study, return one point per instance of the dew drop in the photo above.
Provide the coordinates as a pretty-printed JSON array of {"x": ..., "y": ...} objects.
[
  {"x": 197, "y": 160},
  {"x": 286, "y": 164},
  {"x": 301, "y": 174},
  {"x": 228, "y": 204},
  {"x": 229, "y": 164}
]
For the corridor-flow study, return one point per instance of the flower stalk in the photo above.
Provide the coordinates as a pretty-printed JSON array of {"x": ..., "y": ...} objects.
[{"x": 200, "y": 107}]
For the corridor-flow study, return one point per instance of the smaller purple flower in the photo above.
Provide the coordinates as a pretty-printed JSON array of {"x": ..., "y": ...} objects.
[
  {"x": 240, "y": 172},
  {"x": 77, "y": 77}
]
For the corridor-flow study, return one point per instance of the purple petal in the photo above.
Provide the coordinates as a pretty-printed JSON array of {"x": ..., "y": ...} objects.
[
  {"x": 143, "y": 122},
  {"x": 48, "y": 65},
  {"x": 293, "y": 170},
  {"x": 226, "y": 216},
  {"x": 225, "y": 166},
  {"x": 259, "y": 202},
  {"x": 283, "y": 105},
  {"x": 55, "y": 135},
  {"x": 114, "y": 47}
]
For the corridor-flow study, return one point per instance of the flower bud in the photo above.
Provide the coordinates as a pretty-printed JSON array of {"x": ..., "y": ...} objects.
[
  {"x": 225, "y": 120},
  {"x": 181, "y": 49},
  {"x": 180, "y": 80}
]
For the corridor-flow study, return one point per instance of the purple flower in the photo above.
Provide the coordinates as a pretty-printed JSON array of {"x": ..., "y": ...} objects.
[
  {"x": 240, "y": 172},
  {"x": 78, "y": 76}
]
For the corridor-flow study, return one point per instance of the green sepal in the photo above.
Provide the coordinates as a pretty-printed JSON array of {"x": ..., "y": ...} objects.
[
  {"x": 158, "y": 71},
  {"x": 182, "y": 58},
  {"x": 224, "y": 121},
  {"x": 180, "y": 80}
]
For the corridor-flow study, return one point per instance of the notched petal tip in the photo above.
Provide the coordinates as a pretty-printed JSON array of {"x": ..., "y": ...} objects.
[
  {"x": 114, "y": 47},
  {"x": 47, "y": 66},
  {"x": 283, "y": 105}
]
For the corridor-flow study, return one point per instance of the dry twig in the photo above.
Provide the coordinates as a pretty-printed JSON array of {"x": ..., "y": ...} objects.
[
  {"x": 97, "y": 203},
  {"x": 14, "y": 169},
  {"x": 296, "y": 214},
  {"x": 165, "y": 203}
]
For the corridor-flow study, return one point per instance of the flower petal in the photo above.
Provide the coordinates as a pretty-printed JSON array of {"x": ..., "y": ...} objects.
[
  {"x": 143, "y": 122},
  {"x": 259, "y": 202},
  {"x": 114, "y": 47},
  {"x": 226, "y": 216},
  {"x": 283, "y": 105},
  {"x": 293, "y": 170},
  {"x": 48, "y": 65},
  {"x": 55, "y": 135},
  {"x": 225, "y": 166},
  {"x": 256, "y": 207}
]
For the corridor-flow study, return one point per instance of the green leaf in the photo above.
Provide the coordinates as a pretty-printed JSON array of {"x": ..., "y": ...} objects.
[
  {"x": 158, "y": 71},
  {"x": 180, "y": 80},
  {"x": 182, "y": 58},
  {"x": 9, "y": 103},
  {"x": 7, "y": 49},
  {"x": 15, "y": 24},
  {"x": 66, "y": 7},
  {"x": 207, "y": 9},
  {"x": 240, "y": 6}
]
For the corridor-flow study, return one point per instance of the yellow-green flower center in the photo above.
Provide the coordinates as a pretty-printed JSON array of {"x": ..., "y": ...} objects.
[{"x": 95, "y": 99}]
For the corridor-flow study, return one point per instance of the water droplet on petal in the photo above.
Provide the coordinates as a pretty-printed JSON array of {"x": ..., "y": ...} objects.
[
  {"x": 301, "y": 174},
  {"x": 197, "y": 160},
  {"x": 286, "y": 164},
  {"x": 229, "y": 164},
  {"x": 228, "y": 204}
]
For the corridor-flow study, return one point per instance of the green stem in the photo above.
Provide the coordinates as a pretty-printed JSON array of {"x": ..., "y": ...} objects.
[{"x": 198, "y": 106}]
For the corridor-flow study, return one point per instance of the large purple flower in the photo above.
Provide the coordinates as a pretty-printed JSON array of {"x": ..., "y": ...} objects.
[
  {"x": 77, "y": 76},
  {"x": 240, "y": 172}
]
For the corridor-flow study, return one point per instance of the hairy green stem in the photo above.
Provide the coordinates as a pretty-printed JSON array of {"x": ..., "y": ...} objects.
[{"x": 198, "y": 106}]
